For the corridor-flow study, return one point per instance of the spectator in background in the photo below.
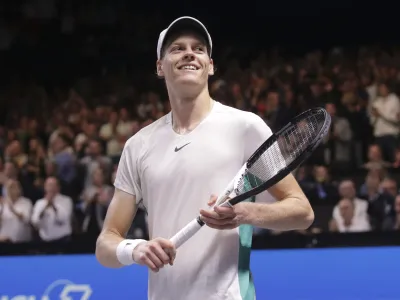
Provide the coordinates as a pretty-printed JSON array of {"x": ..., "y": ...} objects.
[
  {"x": 349, "y": 220},
  {"x": 14, "y": 153},
  {"x": 52, "y": 215},
  {"x": 96, "y": 198},
  {"x": 393, "y": 223},
  {"x": 64, "y": 158},
  {"x": 112, "y": 135},
  {"x": 95, "y": 159},
  {"x": 380, "y": 205},
  {"x": 15, "y": 214},
  {"x": 375, "y": 159},
  {"x": 347, "y": 190},
  {"x": 338, "y": 146},
  {"x": 384, "y": 117},
  {"x": 389, "y": 187},
  {"x": 322, "y": 189}
]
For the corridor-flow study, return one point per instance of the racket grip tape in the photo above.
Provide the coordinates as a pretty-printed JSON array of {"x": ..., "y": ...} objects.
[{"x": 187, "y": 232}]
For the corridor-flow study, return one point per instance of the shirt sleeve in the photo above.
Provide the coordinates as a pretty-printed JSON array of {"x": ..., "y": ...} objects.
[
  {"x": 257, "y": 132},
  {"x": 127, "y": 177}
]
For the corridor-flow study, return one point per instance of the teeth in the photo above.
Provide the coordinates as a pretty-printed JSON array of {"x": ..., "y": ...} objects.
[{"x": 189, "y": 67}]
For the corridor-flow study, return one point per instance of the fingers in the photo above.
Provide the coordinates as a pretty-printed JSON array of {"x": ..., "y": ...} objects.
[
  {"x": 218, "y": 213},
  {"x": 212, "y": 200},
  {"x": 220, "y": 223},
  {"x": 151, "y": 260},
  {"x": 168, "y": 248},
  {"x": 156, "y": 253}
]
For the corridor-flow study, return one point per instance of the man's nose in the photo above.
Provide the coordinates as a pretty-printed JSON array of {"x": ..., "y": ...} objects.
[{"x": 189, "y": 55}]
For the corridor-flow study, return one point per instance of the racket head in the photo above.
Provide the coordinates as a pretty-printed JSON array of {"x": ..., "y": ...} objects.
[{"x": 283, "y": 152}]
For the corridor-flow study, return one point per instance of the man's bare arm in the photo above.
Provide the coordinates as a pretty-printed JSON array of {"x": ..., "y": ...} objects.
[
  {"x": 292, "y": 211},
  {"x": 120, "y": 214}
]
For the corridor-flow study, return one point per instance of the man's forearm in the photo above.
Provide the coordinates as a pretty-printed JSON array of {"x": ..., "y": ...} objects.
[{"x": 289, "y": 214}]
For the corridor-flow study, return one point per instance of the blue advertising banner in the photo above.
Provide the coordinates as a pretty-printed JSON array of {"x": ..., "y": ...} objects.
[{"x": 329, "y": 274}]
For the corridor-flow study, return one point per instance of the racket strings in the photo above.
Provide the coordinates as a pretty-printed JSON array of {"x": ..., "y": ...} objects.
[{"x": 289, "y": 145}]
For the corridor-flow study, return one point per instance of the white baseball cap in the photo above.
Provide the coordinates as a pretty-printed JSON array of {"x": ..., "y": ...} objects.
[{"x": 192, "y": 22}]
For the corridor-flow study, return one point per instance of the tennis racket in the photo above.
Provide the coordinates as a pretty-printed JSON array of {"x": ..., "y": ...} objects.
[{"x": 279, "y": 155}]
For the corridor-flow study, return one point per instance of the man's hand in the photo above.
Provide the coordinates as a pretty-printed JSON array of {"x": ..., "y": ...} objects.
[
  {"x": 155, "y": 254},
  {"x": 375, "y": 112},
  {"x": 221, "y": 217}
]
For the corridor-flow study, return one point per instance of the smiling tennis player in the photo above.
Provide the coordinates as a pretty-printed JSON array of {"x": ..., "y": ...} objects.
[{"x": 176, "y": 165}]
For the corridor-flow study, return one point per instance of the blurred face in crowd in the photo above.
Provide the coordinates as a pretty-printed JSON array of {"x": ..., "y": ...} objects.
[
  {"x": 383, "y": 90},
  {"x": 59, "y": 144},
  {"x": 94, "y": 148},
  {"x": 389, "y": 186},
  {"x": 331, "y": 109},
  {"x": 14, "y": 148},
  {"x": 9, "y": 170},
  {"x": 114, "y": 117},
  {"x": 373, "y": 181},
  {"x": 321, "y": 174},
  {"x": 13, "y": 189},
  {"x": 186, "y": 64},
  {"x": 273, "y": 100},
  {"x": 51, "y": 186},
  {"x": 346, "y": 209},
  {"x": 123, "y": 114},
  {"x": 374, "y": 153},
  {"x": 98, "y": 177},
  {"x": 90, "y": 130},
  {"x": 236, "y": 90},
  {"x": 347, "y": 189}
]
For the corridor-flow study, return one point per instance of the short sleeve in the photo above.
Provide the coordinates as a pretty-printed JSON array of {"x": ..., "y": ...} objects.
[{"x": 127, "y": 177}]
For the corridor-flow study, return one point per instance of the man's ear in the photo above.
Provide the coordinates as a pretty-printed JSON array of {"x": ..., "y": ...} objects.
[
  {"x": 160, "y": 72},
  {"x": 211, "y": 68}
]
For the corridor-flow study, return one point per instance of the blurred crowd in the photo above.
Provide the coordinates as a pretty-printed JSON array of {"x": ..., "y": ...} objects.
[{"x": 61, "y": 138}]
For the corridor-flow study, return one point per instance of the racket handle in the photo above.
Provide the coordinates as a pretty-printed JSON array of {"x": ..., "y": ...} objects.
[{"x": 187, "y": 232}]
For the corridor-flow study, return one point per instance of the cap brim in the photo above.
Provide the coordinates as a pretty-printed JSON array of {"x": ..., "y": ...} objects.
[{"x": 181, "y": 24}]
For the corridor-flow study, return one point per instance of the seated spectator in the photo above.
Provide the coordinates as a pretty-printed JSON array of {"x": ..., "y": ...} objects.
[
  {"x": 380, "y": 205},
  {"x": 112, "y": 134},
  {"x": 96, "y": 199},
  {"x": 389, "y": 186},
  {"x": 375, "y": 159},
  {"x": 15, "y": 214},
  {"x": 14, "y": 152},
  {"x": 52, "y": 215},
  {"x": 379, "y": 173},
  {"x": 338, "y": 144},
  {"x": 322, "y": 189},
  {"x": 95, "y": 159},
  {"x": 64, "y": 158},
  {"x": 349, "y": 220},
  {"x": 347, "y": 190},
  {"x": 394, "y": 222}
]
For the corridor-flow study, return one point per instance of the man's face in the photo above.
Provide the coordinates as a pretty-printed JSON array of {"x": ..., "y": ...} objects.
[
  {"x": 186, "y": 61},
  {"x": 347, "y": 190},
  {"x": 51, "y": 186}
]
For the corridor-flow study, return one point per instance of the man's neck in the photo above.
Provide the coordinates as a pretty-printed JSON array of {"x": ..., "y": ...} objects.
[{"x": 187, "y": 113}]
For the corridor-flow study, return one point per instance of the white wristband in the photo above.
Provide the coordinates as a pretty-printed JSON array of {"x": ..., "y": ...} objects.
[{"x": 125, "y": 251}]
